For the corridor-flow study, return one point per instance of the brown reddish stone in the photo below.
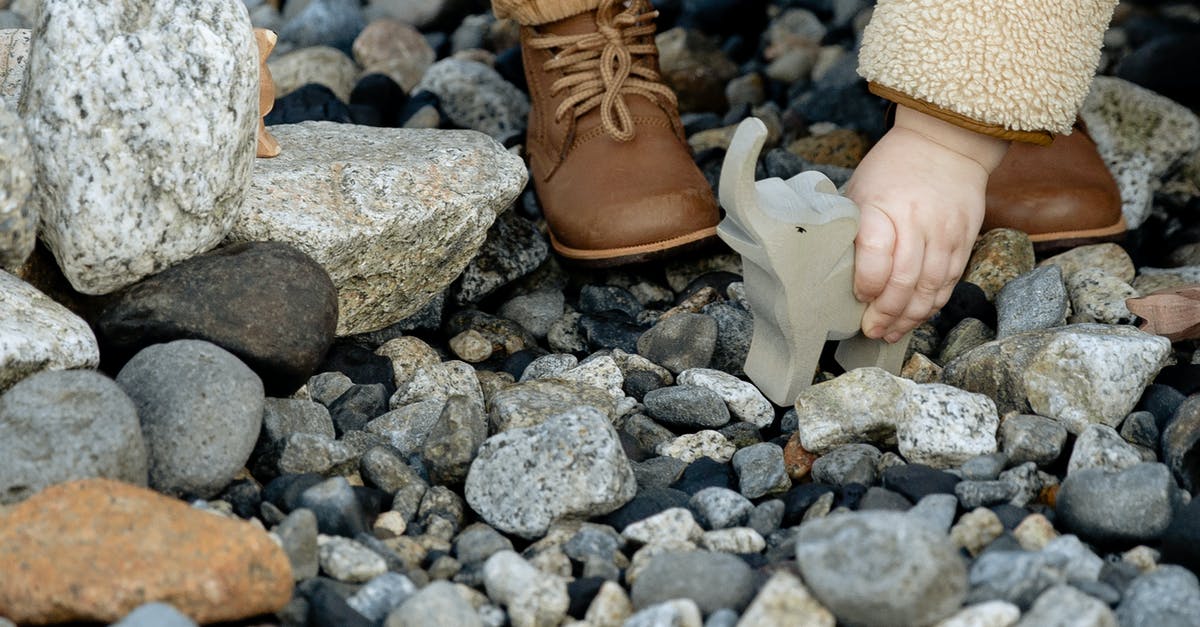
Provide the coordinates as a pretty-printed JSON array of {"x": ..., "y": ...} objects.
[
  {"x": 797, "y": 461},
  {"x": 1048, "y": 496},
  {"x": 93, "y": 550}
]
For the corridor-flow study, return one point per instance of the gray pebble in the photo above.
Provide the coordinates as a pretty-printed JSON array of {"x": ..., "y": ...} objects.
[
  {"x": 720, "y": 508},
  {"x": 325, "y": 387},
  {"x": 712, "y": 580},
  {"x": 658, "y": 472},
  {"x": 154, "y": 615},
  {"x": 1018, "y": 577},
  {"x": 766, "y": 517},
  {"x": 1030, "y": 438},
  {"x": 935, "y": 511},
  {"x": 984, "y": 467},
  {"x": 439, "y": 603},
  {"x": 382, "y": 595},
  {"x": 1066, "y": 605},
  {"x": 1166, "y": 597},
  {"x": 846, "y": 464},
  {"x": 974, "y": 494},
  {"x": 687, "y": 405},
  {"x": 478, "y": 542},
  {"x": 1100, "y": 446},
  {"x": 878, "y": 498},
  {"x": 593, "y": 543},
  {"x": 735, "y": 328},
  {"x": 550, "y": 365},
  {"x": 683, "y": 341},
  {"x": 535, "y": 312},
  {"x": 384, "y": 468},
  {"x": 1034, "y": 300},
  {"x": 1134, "y": 505},
  {"x": 1141, "y": 428},
  {"x": 285, "y": 416},
  {"x": 760, "y": 470},
  {"x": 965, "y": 336},
  {"x": 298, "y": 535}
]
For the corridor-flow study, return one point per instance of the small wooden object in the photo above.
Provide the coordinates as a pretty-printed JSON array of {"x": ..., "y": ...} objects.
[
  {"x": 796, "y": 239},
  {"x": 1173, "y": 313},
  {"x": 267, "y": 146}
]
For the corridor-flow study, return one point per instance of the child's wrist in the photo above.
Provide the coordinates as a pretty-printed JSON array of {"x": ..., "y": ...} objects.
[{"x": 985, "y": 150}]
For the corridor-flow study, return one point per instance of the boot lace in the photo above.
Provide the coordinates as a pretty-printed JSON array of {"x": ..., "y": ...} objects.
[{"x": 600, "y": 68}]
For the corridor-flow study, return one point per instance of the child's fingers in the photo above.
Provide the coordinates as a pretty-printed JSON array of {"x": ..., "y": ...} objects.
[
  {"x": 934, "y": 269},
  {"x": 896, "y": 295},
  {"x": 872, "y": 253}
]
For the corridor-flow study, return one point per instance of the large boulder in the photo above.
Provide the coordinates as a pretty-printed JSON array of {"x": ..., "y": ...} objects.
[
  {"x": 394, "y": 215},
  {"x": 142, "y": 115}
]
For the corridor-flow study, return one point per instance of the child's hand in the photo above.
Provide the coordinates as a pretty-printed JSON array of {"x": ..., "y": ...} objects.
[{"x": 921, "y": 195}]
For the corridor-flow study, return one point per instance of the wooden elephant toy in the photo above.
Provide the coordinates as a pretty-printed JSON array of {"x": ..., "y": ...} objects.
[{"x": 796, "y": 239}]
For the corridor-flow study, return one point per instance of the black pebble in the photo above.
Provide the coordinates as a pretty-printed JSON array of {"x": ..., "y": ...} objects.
[
  {"x": 326, "y": 608},
  {"x": 850, "y": 495},
  {"x": 611, "y": 329},
  {"x": 510, "y": 65},
  {"x": 357, "y": 406},
  {"x": 1167, "y": 65},
  {"x": 418, "y": 101},
  {"x": 310, "y": 102},
  {"x": 594, "y": 299},
  {"x": 706, "y": 472},
  {"x": 916, "y": 481},
  {"x": 797, "y": 501},
  {"x": 1181, "y": 541},
  {"x": 647, "y": 503},
  {"x": 339, "y": 512},
  {"x": 966, "y": 301},
  {"x": 517, "y": 362},
  {"x": 381, "y": 94},
  {"x": 1183, "y": 377},
  {"x": 360, "y": 364},
  {"x": 639, "y": 382},
  {"x": 581, "y": 592},
  {"x": 245, "y": 497},
  {"x": 1010, "y": 515},
  {"x": 284, "y": 491}
]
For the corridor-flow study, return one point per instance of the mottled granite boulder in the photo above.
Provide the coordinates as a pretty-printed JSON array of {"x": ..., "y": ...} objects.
[
  {"x": 129, "y": 181},
  {"x": 14, "y": 55},
  {"x": 393, "y": 215}
]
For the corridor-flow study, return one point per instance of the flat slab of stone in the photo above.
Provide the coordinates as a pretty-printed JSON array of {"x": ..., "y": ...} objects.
[
  {"x": 38, "y": 334},
  {"x": 394, "y": 215}
]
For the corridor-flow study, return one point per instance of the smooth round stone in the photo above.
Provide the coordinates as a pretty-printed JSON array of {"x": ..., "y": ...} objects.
[
  {"x": 268, "y": 303},
  {"x": 338, "y": 510},
  {"x": 1030, "y": 438},
  {"x": 1034, "y": 300},
  {"x": 712, "y": 580},
  {"x": 535, "y": 312},
  {"x": 201, "y": 411},
  {"x": 687, "y": 405},
  {"x": 1181, "y": 540},
  {"x": 155, "y": 615},
  {"x": 319, "y": 65},
  {"x": 475, "y": 96},
  {"x": 1134, "y": 505},
  {"x": 721, "y": 508},
  {"x": 334, "y": 23},
  {"x": 346, "y": 560},
  {"x": 396, "y": 49},
  {"x": 1169, "y": 595},
  {"x": 846, "y": 464},
  {"x": 881, "y": 568},
  {"x": 62, "y": 425},
  {"x": 595, "y": 299},
  {"x": 916, "y": 481},
  {"x": 761, "y": 470},
  {"x": 1063, "y": 605},
  {"x": 439, "y": 603},
  {"x": 683, "y": 341}
]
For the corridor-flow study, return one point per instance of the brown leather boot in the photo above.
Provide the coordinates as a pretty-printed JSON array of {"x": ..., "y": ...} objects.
[
  {"x": 609, "y": 157},
  {"x": 1062, "y": 195}
]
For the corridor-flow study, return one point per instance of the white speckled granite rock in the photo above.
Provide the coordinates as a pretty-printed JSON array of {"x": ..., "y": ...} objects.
[
  {"x": 943, "y": 426},
  {"x": 475, "y": 96},
  {"x": 859, "y": 406},
  {"x": 38, "y": 334},
  {"x": 131, "y": 180},
  {"x": 393, "y": 215},
  {"x": 1140, "y": 135},
  {"x": 570, "y": 466},
  {"x": 744, "y": 400},
  {"x": 14, "y": 55},
  {"x": 1078, "y": 374},
  {"x": 18, "y": 221}
]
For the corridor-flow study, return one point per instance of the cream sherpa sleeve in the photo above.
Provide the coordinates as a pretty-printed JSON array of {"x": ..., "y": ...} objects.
[{"x": 1016, "y": 69}]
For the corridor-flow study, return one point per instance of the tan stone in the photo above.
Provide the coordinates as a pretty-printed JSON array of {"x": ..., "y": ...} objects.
[
  {"x": 841, "y": 147},
  {"x": 93, "y": 550},
  {"x": 391, "y": 47},
  {"x": 1000, "y": 256}
]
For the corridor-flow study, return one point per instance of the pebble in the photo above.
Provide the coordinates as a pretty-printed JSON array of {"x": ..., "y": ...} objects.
[
  {"x": 336, "y": 506},
  {"x": 921, "y": 369},
  {"x": 859, "y": 406},
  {"x": 1100, "y": 446},
  {"x": 673, "y": 613},
  {"x": 695, "y": 68},
  {"x": 1065, "y": 605},
  {"x": 1099, "y": 297},
  {"x": 744, "y": 400},
  {"x": 936, "y": 511},
  {"x": 407, "y": 355},
  {"x": 760, "y": 470},
  {"x": 394, "y": 48},
  {"x": 475, "y": 96},
  {"x": 471, "y": 347},
  {"x": 514, "y": 248},
  {"x": 784, "y": 600},
  {"x": 1141, "y": 428},
  {"x": 712, "y": 580},
  {"x": 973, "y": 494},
  {"x": 453, "y": 441},
  {"x": 38, "y": 334},
  {"x": 881, "y": 567},
  {"x": 52, "y": 570},
  {"x": 986, "y": 614},
  {"x": 297, "y": 534},
  {"x": 693, "y": 446},
  {"x": 984, "y": 467},
  {"x": 536, "y": 311},
  {"x": 599, "y": 372},
  {"x": 437, "y": 603},
  {"x": 672, "y": 525},
  {"x": 1168, "y": 595},
  {"x": 943, "y": 426},
  {"x": 1034, "y": 532},
  {"x": 1000, "y": 255},
  {"x": 967, "y": 335},
  {"x": 519, "y": 484},
  {"x": 1017, "y": 577},
  {"x": 683, "y": 341},
  {"x": 846, "y": 464},
  {"x": 533, "y": 402},
  {"x": 57, "y": 426},
  {"x": 357, "y": 406},
  {"x": 1031, "y": 438},
  {"x": 738, "y": 540},
  {"x": 976, "y": 529},
  {"x": 531, "y": 596},
  {"x": 154, "y": 615},
  {"x": 1081, "y": 564},
  {"x": 688, "y": 406},
  {"x": 1180, "y": 442},
  {"x": 1108, "y": 258},
  {"x": 381, "y": 596},
  {"x": 1034, "y": 300},
  {"x": 1133, "y": 505},
  {"x": 721, "y": 508},
  {"x": 196, "y": 440},
  {"x": 439, "y": 382},
  {"x": 916, "y": 481},
  {"x": 1078, "y": 374},
  {"x": 796, "y": 460},
  {"x": 346, "y": 560}
]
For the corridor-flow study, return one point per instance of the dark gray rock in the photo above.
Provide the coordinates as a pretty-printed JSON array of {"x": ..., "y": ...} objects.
[
  {"x": 984, "y": 467},
  {"x": 284, "y": 416},
  {"x": 720, "y": 508},
  {"x": 1181, "y": 444},
  {"x": 473, "y": 95},
  {"x": 536, "y": 311},
  {"x": 658, "y": 472},
  {"x": 881, "y": 568},
  {"x": 1035, "y": 300},
  {"x": 478, "y": 542},
  {"x": 357, "y": 406},
  {"x": 337, "y": 508},
  {"x": 1030, "y": 438},
  {"x": 593, "y": 542},
  {"x": 268, "y": 303},
  {"x": 383, "y": 468},
  {"x": 57, "y": 426},
  {"x": 1141, "y": 428},
  {"x": 514, "y": 248},
  {"x": 682, "y": 341},
  {"x": 883, "y": 499},
  {"x": 761, "y": 470},
  {"x": 687, "y": 406},
  {"x": 201, "y": 410},
  {"x": 594, "y": 299},
  {"x": 735, "y": 328},
  {"x": 767, "y": 517},
  {"x": 298, "y": 537},
  {"x": 1134, "y": 505},
  {"x": 848, "y": 463},
  {"x": 454, "y": 440},
  {"x": 712, "y": 580},
  {"x": 1018, "y": 577},
  {"x": 334, "y": 23}
]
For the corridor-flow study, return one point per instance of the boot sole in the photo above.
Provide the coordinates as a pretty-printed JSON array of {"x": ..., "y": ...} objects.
[
  {"x": 626, "y": 255},
  {"x": 1046, "y": 242}
]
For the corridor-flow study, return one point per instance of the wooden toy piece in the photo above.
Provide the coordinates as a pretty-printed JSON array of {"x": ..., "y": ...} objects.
[
  {"x": 796, "y": 239},
  {"x": 267, "y": 146},
  {"x": 1173, "y": 313}
]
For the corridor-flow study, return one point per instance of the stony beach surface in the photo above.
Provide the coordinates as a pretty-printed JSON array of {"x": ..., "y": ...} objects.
[{"x": 351, "y": 385}]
